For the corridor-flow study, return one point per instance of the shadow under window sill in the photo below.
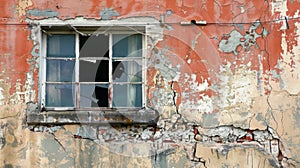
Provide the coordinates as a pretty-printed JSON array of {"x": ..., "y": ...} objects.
[{"x": 94, "y": 117}]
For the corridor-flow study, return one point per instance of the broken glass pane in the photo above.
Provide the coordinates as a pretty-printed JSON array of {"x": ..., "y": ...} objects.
[
  {"x": 93, "y": 70},
  {"x": 61, "y": 45},
  {"x": 125, "y": 45},
  {"x": 127, "y": 71},
  {"x": 94, "y": 46},
  {"x": 93, "y": 95},
  {"x": 60, "y": 70},
  {"x": 127, "y": 95},
  {"x": 59, "y": 95}
]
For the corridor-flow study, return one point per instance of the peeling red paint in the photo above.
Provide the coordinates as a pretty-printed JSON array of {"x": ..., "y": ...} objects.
[
  {"x": 181, "y": 46},
  {"x": 212, "y": 12},
  {"x": 16, "y": 47}
]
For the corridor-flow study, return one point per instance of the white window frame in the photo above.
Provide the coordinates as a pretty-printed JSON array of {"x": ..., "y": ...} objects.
[{"x": 43, "y": 69}]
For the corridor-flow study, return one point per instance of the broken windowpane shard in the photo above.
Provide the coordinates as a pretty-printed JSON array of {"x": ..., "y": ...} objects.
[
  {"x": 93, "y": 95},
  {"x": 127, "y": 71}
]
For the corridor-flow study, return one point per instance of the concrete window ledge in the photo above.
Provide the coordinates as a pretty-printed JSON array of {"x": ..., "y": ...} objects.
[{"x": 99, "y": 117}]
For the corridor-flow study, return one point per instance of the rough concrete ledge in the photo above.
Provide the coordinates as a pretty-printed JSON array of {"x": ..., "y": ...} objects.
[{"x": 123, "y": 117}]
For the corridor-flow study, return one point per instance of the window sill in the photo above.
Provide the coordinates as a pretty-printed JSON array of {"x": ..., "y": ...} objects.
[{"x": 98, "y": 117}]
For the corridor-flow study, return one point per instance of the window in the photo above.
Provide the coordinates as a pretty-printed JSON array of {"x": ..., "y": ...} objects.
[{"x": 84, "y": 71}]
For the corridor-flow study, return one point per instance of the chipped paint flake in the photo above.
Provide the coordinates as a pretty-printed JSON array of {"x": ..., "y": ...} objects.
[
  {"x": 22, "y": 6},
  {"x": 195, "y": 40}
]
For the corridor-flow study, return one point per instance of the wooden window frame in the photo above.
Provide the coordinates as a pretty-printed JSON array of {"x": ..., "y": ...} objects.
[{"x": 77, "y": 59}]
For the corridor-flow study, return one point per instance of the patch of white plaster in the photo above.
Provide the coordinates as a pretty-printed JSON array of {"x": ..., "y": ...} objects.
[
  {"x": 242, "y": 9},
  {"x": 24, "y": 93},
  {"x": 290, "y": 62},
  {"x": 194, "y": 88},
  {"x": 236, "y": 89},
  {"x": 21, "y": 7},
  {"x": 203, "y": 105},
  {"x": 194, "y": 85},
  {"x": 279, "y": 6}
]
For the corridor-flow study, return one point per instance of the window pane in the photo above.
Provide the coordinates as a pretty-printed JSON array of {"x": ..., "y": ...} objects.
[
  {"x": 59, "y": 95},
  {"x": 127, "y": 95},
  {"x": 94, "y": 46},
  {"x": 93, "y": 95},
  {"x": 93, "y": 71},
  {"x": 127, "y": 71},
  {"x": 61, "y": 45},
  {"x": 125, "y": 45},
  {"x": 60, "y": 70}
]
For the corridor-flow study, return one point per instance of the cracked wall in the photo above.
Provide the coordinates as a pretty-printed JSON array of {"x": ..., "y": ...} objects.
[{"x": 227, "y": 92}]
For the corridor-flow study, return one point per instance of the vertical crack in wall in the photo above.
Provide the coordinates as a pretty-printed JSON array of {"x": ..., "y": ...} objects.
[
  {"x": 174, "y": 98},
  {"x": 179, "y": 115},
  {"x": 270, "y": 108}
]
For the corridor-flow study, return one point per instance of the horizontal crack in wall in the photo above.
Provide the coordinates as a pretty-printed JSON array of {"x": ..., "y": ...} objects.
[{"x": 266, "y": 139}]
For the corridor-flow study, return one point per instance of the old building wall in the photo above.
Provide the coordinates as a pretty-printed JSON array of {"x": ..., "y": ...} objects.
[{"x": 227, "y": 91}]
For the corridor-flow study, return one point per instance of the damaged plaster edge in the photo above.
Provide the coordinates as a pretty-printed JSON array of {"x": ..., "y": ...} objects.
[
  {"x": 81, "y": 21},
  {"x": 224, "y": 131},
  {"x": 266, "y": 140}
]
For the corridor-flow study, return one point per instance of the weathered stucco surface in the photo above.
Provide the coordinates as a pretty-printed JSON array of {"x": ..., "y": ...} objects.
[{"x": 227, "y": 92}]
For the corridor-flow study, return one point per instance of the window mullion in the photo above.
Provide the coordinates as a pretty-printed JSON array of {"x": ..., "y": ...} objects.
[
  {"x": 77, "y": 85},
  {"x": 110, "y": 90},
  {"x": 44, "y": 67},
  {"x": 144, "y": 69}
]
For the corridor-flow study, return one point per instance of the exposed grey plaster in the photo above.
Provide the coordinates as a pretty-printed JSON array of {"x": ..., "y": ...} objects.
[
  {"x": 231, "y": 43},
  {"x": 41, "y": 13},
  {"x": 162, "y": 63},
  {"x": 87, "y": 132},
  {"x": 53, "y": 150},
  {"x": 210, "y": 120},
  {"x": 35, "y": 51},
  {"x": 240, "y": 26},
  {"x": 259, "y": 74},
  {"x": 234, "y": 39},
  {"x": 31, "y": 107},
  {"x": 106, "y": 13}
]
